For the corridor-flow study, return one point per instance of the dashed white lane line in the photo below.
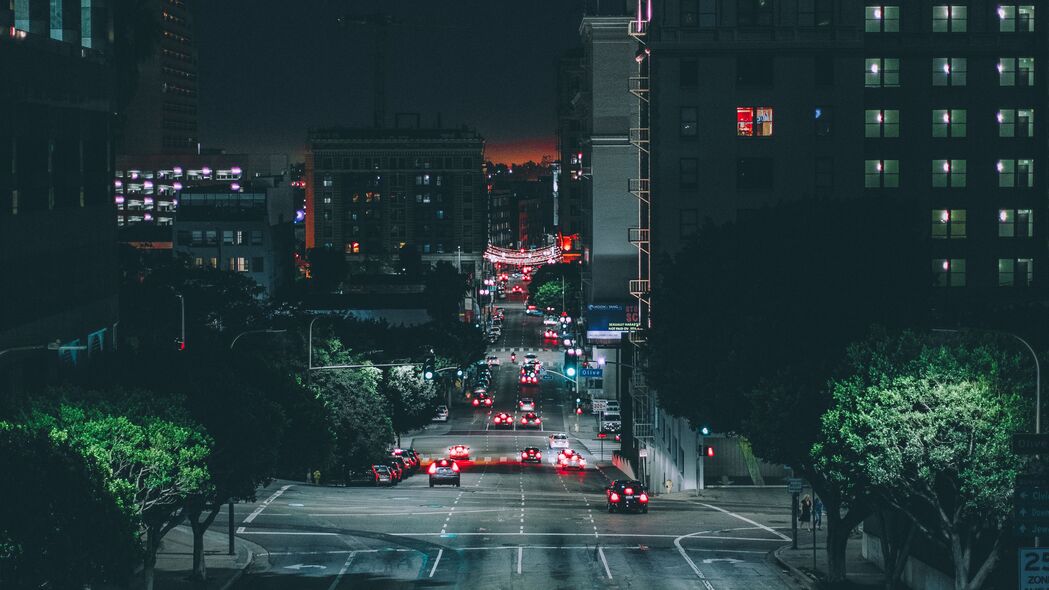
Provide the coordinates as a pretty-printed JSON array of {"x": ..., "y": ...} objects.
[
  {"x": 747, "y": 520},
  {"x": 265, "y": 504},
  {"x": 436, "y": 561},
  {"x": 342, "y": 572},
  {"x": 604, "y": 562},
  {"x": 692, "y": 564},
  {"x": 520, "y": 558}
]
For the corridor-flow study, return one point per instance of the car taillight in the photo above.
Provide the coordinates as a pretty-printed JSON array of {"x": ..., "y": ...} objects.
[
  {"x": 629, "y": 491},
  {"x": 475, "y": 402},
  {"x": 538, "y": 454},
  {"x": 524, "y": 421},
  {"x": 601, "y": 435},
  {"x": 433, "y": 468},
  {"x": 537, "y": 421},
  {"x": 564, "y": 461},
  {"x": 644, "y": 497},
  {"x": 496, "y": 420},
  {"x": 455, "y": 467},
  {"x": 487, "y": 402},
  {"x": 524, "y": 455},
  {"x": 614, "y": 497}
]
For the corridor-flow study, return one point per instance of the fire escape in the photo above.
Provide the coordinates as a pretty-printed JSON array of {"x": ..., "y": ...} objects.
[{"x": 640, "y": 236}]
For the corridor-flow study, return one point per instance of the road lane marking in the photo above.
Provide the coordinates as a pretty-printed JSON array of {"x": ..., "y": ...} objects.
[
  {"x": 264, "y": 505},
  {"x": 436, "y": 561},
  {"x": 520, "y": 558},
  {"x": 604, "y": 562},
  {"x": 692, "y": 564},
  {"x": 342, "y": 572},
  {"x": 747, "y": 520}
]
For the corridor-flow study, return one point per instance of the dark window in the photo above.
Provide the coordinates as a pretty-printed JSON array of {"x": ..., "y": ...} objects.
[
  {"x": 754, "y": 173},
  {"x": 824, "y": 13},
  {"x": 257, "y": 264},
  {"x": 824, "y": 71},
  {"x": 689, "y": 173},
  {"x": 256, "y": 237},
  {"x": 824, "y": 117},
  {"x": 689, "y": 13},
  {"x": 754, "y": 70},
  {"x": 689, "y": 75},
  {"x": 688, "y": 121},
  {"x": 755, "y": 13},
  {"x": 708, "y": 16},
  {"x": 824, "y": 180},
  {"x": 689, "y": 223},
  {"x": 184, "y": 238}
]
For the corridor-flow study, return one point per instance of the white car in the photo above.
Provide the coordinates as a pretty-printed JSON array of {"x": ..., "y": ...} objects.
[
  {"x": 531, "y": 358},
  {"x": 613, "y": 406},
  {"x": 493, "y": 361},
  {"x": 441, "y": 415},
  {"x": 558, "y": 440},
  {"x": 526, "y": 404}
]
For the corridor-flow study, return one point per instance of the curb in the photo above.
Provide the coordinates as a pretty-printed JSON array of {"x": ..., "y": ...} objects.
[
  {"x": 800, "y": 576},
  {"x": 255, "y": 552}
]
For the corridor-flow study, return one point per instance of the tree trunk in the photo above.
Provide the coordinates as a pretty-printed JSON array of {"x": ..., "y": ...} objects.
[
  {"x": 199, "y": 572},
  {"x": 961, "y": 549},
  {"x": 837, "y": 540},
  {"x": 149, "y": 561},
  {"x": 895, "y": 550}
]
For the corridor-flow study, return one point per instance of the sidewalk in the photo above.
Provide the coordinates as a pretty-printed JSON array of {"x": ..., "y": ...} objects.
[
  {"x": 860, "y": 573},
  {"x": 175, "y": 560}
]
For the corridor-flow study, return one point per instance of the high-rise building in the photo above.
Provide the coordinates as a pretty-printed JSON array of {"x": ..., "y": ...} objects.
[
  {"x": 162, "y": 115},
  {"x": 570, "y": 122},
  {"x": 57, "y": 230},
  {"x": 925, "y": 100},
  {"x": 370, "y": 192}
]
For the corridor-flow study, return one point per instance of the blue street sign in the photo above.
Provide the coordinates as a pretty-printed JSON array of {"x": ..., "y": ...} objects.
[{"x": 591, "y": 372}]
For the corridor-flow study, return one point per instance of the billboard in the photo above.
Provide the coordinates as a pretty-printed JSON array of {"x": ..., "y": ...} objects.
[{"x": 608, "y": 321}]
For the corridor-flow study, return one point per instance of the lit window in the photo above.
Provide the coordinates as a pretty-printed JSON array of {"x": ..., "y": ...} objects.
[
  {"x": 883, "y": 19},
  {"x": 1015, "y": 122},
  {"x": 1015, "y": 223},
  {"x": 1015, "y": 173},
  {"x": 948, "y": 123},
  {"x": 328, "y": 181},
  {"x": 688, "y": 121},
  {"x": 882, "y": 72},
  {"x": 948, "y": 173},
  {"x": 949, "y": 71},
  {"x": 1015, "y": 272},
  {"x": 949, "y": 272},
  {"x": 882, "y": 123},
  {"x": 882, "y": 174},
  {"x": 1016, "y": 71},
  {"x": 949, "y": 19},
  {"x": 824, "y": 118},
  {"x": 753, "y": 121},
  {"x": 1016, "y": 19},
  {"x": 948, "y": 224}
]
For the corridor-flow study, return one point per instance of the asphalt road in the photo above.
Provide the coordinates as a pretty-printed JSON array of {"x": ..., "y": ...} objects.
[{"x": 509, "y": 525}]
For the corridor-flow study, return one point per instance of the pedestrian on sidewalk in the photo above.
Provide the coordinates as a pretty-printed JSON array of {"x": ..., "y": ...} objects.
[
  {"x": 817, "y": 513},
  {"x": 806, "y": 512}
]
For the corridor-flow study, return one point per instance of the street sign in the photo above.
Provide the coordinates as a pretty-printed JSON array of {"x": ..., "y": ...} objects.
[
  {"x": 1034, "y": 568},
  {"x": 599, "y": 405},
  {"x": 1031, "y": 508},
  {"x": 1025, "y": 443},
  {"x": 591, "y": 372},
  {"x": 642, "y": 453},
  {"x": 795, "y": 485}
]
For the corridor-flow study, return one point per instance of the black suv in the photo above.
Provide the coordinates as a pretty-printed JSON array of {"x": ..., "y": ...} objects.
[{"x": 625, "y": 495}]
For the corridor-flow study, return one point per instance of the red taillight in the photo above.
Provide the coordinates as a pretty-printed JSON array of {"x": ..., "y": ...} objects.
[
  {"x": 539, "y": 454},
  {"x": 524, "y": 455},
  {"x": 433, "y": 468},
  {"x": 601, "y": 435},
  {"x": 475, "y": 402},
  {"x": 496, "y": 420},
  {"x": 455, "y": 467},
  {"x": 643, "y": 498},
  {"x": 538, "y": 421},
  {"x": 614, "y": 497},
  {"x": 487, "y": 402},
  {"x": 524, "y": 421},
  {"x": 629, "y": 491}
]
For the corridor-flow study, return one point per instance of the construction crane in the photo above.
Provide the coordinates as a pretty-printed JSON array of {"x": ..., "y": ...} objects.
[{"x": 382, "y": 23}]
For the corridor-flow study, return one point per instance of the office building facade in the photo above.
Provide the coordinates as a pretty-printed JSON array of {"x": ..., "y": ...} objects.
[
  {"x": 370, "y": 192},
  {"x": 57, "y": 235}
]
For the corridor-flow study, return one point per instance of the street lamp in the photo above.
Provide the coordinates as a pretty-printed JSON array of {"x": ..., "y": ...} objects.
[
  {"x": 1037, "y": 372},
  {"x": 267, "y": 331}
]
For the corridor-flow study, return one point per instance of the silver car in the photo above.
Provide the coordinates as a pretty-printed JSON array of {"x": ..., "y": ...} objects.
[
  {"x": 558, "y": 440},
  {"x": 526, "y": 404}
]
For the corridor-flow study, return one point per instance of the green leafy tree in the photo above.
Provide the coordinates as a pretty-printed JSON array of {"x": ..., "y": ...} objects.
[
  {"x": 549, "y": 295},
  {"x": 412, "y": 399},
  {"x": 547, "y": 285},
  {"x": 930, "y": 425},
  {"x": 771, "y": 309},
  {"x": 60, "y": 526},
  {"x": 151, "y": 464},
  {"x": 358, "y": 412}
]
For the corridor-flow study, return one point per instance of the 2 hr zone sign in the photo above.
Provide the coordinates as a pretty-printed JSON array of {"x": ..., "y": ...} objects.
[{"x": 1034, "y": 568}]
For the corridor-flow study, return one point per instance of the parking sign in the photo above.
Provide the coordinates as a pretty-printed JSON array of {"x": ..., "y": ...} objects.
[{"x": 1034, "y": 568}]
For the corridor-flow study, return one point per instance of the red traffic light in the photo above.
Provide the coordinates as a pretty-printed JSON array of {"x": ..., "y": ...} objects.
[
  {"x": 708, "y": 451},
  {"x": 180, "y": 345},
  {"x": 579, "y": 410}
]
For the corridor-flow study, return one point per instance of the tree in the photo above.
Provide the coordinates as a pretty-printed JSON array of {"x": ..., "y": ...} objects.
[
  {"x": 549, "y": 295},
  {"x": 410, "y": 261},
  {"x": 412, "y": 398},
  {"x": 771, "y": 309},
  {"x": 930, "y": 425},
  {"x": 327, "y": 268},
  {"x": 545, "y": 290},
  {"x": 151, "y": 464},
  {"x": 359, "y": 416},
  {"x": 60, "y": 526}
]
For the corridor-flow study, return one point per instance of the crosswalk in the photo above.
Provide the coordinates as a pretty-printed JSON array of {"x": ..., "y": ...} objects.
[
  {"x": 475, "y": 460},
  {"x": 521, "y": 349}
]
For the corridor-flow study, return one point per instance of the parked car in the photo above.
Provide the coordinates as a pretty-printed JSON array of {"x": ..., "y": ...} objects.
[
  {"x": 396, "y": 470},
  {"x": 441, "y": 415}
]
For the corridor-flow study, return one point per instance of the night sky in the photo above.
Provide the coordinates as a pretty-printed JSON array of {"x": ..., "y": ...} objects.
[{"x": 269, "y": 69}]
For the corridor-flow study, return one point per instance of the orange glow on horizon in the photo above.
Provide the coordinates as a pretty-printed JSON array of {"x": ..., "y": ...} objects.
[{"x": 521, "y": 150}]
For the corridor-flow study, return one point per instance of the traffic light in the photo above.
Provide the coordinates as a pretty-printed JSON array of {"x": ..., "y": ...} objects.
[
  {"x": 459, "y": 372},
  {"x": 704, "y": 430},
  {"x": 570, "y": 363},
  {"x": 429, "y": 368},
  {"x": 180, "y": 345},
  {"x": 706, "y": 451}
]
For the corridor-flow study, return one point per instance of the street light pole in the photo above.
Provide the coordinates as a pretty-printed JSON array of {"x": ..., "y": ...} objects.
[{"x": 182, "y": 322}]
